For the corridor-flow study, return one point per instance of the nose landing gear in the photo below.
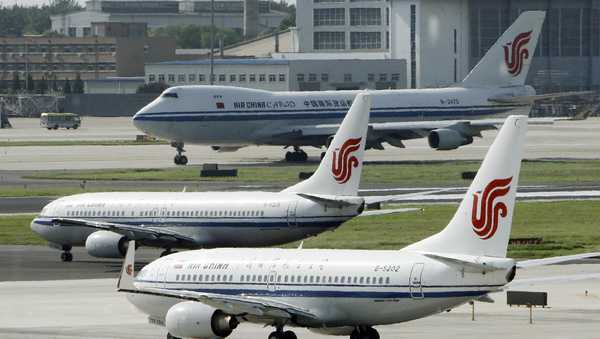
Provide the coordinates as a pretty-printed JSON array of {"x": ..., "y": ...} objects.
[{"x": 179, "y": 159}]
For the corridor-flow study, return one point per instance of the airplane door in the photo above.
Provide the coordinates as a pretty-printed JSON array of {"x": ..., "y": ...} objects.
[
  {"x": 162, "y": 215},
  {"x": 161, "y": 274},
  {"x": 416, "y": 281},
  {"x": 272, "y": 281},
  {"x": 291, "y": 214}
]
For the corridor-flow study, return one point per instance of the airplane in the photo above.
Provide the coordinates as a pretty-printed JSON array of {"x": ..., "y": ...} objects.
[
  {"x": 206, "y": 294},
  {"x": 229, "y": 118},
  {"x": 104, "y": 222}
]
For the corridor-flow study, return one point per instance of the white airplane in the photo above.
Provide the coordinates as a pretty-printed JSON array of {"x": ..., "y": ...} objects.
[
  {"x": 104, "y": 222},
  {"x": 206, "y": 294},
  {"x": 229, "y": 118}
]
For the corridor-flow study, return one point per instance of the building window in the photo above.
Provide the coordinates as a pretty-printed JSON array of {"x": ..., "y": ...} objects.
[
  {"x": 365, "y": 16},
  {"x": 370, "y": 77},
  {"x": 151, "y": 78},
  {"x": 181, "y": 78},
  {"x": 300, "y": 77},
  {"x": 383, "y": 77},
  {"x": 191, "y": 77},
  {"x": 201, "y": 77},
  {"x": 72, "y": 31},
  {"x": 348, "y": 77},
  {"x": 243, "y": 77},
  {"x": 312, "y": 77},
  {"x": 365, "y": 40},
  {"x": 262, "y": 77},
  {"x": 171, "y": 77},
  {"x": 329, "y": 17},
  {"x": 281, "y": 77},
  {"x": 87, "y": 31},
  {"x": 252, "y": 78},
  {"x": 413, "y": 46},
  {"x": 325, "y": 77},
  {"x": 396, "y": 77},
  {"x": 232, "y": 78},
  {"x": 329, "y": 40},
  {"x": 272, "y": 78},
  {"x": 222, "y": 77}
]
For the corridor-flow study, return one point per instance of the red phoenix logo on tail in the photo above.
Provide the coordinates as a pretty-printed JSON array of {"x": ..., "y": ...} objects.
[
  {"x": 344, "y": 161},
  {"x": 515, "y": 53},
  {"x": 485, "y": 221}
]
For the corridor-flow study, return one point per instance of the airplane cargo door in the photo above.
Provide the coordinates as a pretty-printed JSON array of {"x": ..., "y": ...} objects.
[
  {"x": 291, "y": 214},
  {"x": 416, "y": 281}
]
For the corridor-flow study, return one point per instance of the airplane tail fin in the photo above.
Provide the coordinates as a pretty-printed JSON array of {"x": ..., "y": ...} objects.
[
  {"x": 482, "y": 223},
  {"x": 340, "y": 170},
  {"x": 507, "y": 62}
]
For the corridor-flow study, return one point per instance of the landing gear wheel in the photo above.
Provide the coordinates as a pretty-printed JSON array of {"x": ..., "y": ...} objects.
[
  {"x": 289, "y": 335},
  {"x": 365, "y": 333},
  {"x": 66, "y": 256},
  {"x": 179, "y": 159},
  {"x": 276, "y": 335},
  {"x": 372, "y": 333},
  {"x": 170, "y": 336},
  {"x": 297, "y": 156}
]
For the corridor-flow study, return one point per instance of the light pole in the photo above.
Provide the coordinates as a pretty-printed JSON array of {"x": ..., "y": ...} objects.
[{"x": 212, "y": 42}]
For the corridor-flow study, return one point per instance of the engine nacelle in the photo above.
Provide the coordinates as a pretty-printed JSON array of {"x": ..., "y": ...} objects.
[
  {"x": 196, "y": 320},
  {"x": 444, "y": 139},
  {"x": 106, "y": 244}
]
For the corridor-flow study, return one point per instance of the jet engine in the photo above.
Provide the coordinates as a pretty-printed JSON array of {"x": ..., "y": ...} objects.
[
  {"x": 196, "y": 320},
  {"x": 105, "y": 244},
  {"x": 444, "y": 139}
]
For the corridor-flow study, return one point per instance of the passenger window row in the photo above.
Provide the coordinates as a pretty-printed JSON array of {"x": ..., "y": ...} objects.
[
  {"x": 114, "y": 213},
  {"x": 95, "y": 213},
  {"x": 291, "y": 279}
]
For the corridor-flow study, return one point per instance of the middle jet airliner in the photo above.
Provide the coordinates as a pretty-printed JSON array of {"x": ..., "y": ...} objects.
[
  {"x": 105, "y": 222},
  {"x": 206, "y": 294},
  {"x": 229, "y": 118}
]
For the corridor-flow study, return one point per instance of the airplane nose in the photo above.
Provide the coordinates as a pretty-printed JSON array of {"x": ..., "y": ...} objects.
[{"x": 39, "y": 229}]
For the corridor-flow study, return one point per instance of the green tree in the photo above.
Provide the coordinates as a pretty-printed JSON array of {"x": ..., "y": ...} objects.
[
  {"x": 67, "y": 87},
  {"x": 194, "y": 36},
  {"x": 78, "y": 84},
  {"x": 16, "y": 82}
]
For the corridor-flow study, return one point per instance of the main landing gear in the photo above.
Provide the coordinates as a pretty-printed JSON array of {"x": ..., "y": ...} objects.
[
  {"x": 179, "y": 159},
  {"x": 280, "y": 334},
  {"x": 364, "y": 332},
  {"x": 66, "y": 255},
  {"x": 298, "y": 155}
]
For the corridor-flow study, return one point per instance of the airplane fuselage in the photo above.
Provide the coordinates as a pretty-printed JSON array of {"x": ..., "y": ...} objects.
[
  {"x": 340, "y": 287},
  {"x": 212, "y": 219},
  {"x": 222, "y": 115}
]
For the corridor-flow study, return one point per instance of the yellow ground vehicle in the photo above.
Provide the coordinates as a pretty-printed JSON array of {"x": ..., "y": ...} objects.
[{"x": 56, "y": 120}]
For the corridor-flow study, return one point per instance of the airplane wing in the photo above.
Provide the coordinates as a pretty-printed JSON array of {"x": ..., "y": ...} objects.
[
  {"x": 394, "y": 133},
  {"x": 134, "y": 232},
  {"x": 236, "y": 305},
  {"x": 370, "y": 213}
]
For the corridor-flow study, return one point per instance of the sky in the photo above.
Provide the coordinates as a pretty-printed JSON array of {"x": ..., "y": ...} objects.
[{"x": 42, "y": 2}]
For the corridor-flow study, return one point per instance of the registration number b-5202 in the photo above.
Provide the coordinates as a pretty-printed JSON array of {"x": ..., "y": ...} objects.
[{"x": 387, "y": 268}]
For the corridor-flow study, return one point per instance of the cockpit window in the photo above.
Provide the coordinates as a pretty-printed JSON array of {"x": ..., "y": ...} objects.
[{"x": 170, "y": 95}]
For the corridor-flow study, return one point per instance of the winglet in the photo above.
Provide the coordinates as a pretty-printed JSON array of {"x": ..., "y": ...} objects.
[{"x": 128, "y": 270}]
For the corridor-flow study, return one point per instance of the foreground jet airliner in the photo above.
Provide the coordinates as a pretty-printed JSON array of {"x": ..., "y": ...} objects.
[
  {"x": 229, "y": 118},
  {"x": 205, "y": 294},
  {"x": 104, "y": 222}
]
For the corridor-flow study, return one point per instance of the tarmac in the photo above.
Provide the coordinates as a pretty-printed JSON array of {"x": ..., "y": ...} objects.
[
  {"x": 91, "y": 308},
  {"x": 564, "y": 139}
]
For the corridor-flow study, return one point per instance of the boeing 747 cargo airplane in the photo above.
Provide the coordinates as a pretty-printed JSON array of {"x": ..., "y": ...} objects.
[
  {"x": 104, "y": 222},
  {"x": 206, "y": 294},
  {"x": 229, "y": 118}
]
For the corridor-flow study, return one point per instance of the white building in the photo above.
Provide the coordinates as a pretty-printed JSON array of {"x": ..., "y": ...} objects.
[
  {"x": 283, "y": 74},
  {"x": 162, "y": 13}
]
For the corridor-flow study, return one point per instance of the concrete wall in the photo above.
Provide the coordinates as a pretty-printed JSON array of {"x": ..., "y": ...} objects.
[{"x": 107, "y": 105}]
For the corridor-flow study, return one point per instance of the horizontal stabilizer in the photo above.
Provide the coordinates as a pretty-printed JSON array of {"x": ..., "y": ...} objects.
[
  {"x": 471, "y": 263},
  {"x": 556, "y": 260},
  {"x": 388, "y": 211},
  {"x": 333, "y": 200},
  {"x": 530, "y": 99}
]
